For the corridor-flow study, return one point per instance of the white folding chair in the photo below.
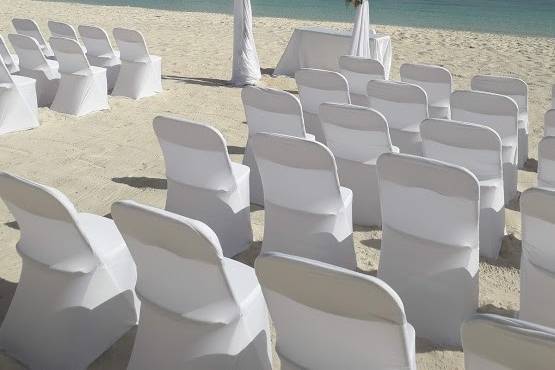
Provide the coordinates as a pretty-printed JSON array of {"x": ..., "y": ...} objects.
[
  {"x": 546, "y": 162},
  {"x": 307, "y": 213},
  {"x": 200, "y": 310},
  {"x": 75, "y": 297},
  {"x": 359, "y": 71},
  {"x": 436, "y": 81},
  {"x": 203, "y": 183},
  {"x": 29, "y": 27},
  {"x": 269, "y": 110},
  {"x": 82, "y": 88},
  {"x": 10, "y": 60},
  {"x": 478, "y": 149},
  {"x": 499, "y": 113},
  {"x": 404, "y": 106},
  {"x": 517, "y": 90},
  {"x": 312, "y": 304},
  {"x": 430, "y": 242},
  {"x": 140, "y": 74},
  {"x": 549, "y": 123},
  {"x": 493, "y": 342},
  {"x": 317, "y": 86},
  {"x": 357, "y": 136},
  {"x": 61, "y": 29},
  {"x": 33, "y": 64}
]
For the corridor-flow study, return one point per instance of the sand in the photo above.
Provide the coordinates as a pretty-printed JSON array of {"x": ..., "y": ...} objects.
[{"x": 114, "y": 155}]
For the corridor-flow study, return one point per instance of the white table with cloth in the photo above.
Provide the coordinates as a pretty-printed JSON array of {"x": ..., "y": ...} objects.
[{"x": 321, "y": 48}]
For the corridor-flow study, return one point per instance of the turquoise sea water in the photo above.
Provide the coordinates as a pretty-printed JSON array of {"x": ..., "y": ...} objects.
[{"x": 523, "y": 17}]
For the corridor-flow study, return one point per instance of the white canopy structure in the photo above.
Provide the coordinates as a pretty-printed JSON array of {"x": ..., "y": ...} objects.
[
  {"x": 360, "y": 45},
  {"x": 246, "y": 67}
]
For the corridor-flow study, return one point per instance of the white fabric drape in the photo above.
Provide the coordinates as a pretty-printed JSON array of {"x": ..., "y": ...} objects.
[
  {"x": 246, "y": 67},
  {"x": 360, "y": 45}
]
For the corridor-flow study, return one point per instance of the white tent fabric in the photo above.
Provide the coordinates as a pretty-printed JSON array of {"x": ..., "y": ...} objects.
[
  {"x": 203, "y": 183},
  {"x": 430, "y": 260},
  {"x": 10, "y": 60},
  {"x": 75, "y": 297},
  {"x": 329, "y": 318},
  {"x": 29, "y": 27},
  {"x": 246, "y": 67},
  {"x": 307, "y": 214},
  {"x": 546, "y": 162},
  {"x": 358, "y": 72},
  {"x": 478, "y": 149},
  {"x": 549, "y": 123},
  {"x": 360, "y": 45},
  {"x": 200, "y": 310}
]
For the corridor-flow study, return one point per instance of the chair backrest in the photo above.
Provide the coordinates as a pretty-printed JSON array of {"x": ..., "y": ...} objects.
[
  {"x": 474, "y": 147},
  {"x": 195, "y": 154},
  {"x": 546, "y": 162},
  {"x": 404, "y": 105},
  {"x": 69, "y": 54},
  {"x": 502, "y": 343},
  {"x": 359, "y": 71},
  {"x": 312, "y": 304},
  {"x": 28, "y": 51},
  {"x": 549, "y": 123},
  {"x": 436, "y": 81},
  {"x": 297, "y": 173},
  {"x": 29, "y": 27},
  {"x": 131, "y": 45},
  {"x": 60, "y": 29},
  {"x": 317, "y": 86},
  {"x": 96, "y": 41},
  {"x": 271, "y": 110},
  {"x": 355, "y": 133},
  {"x": 173, "y": 254},
  {"x": 5, "y": 76},
  {"x": 514, "y": 88},
  {"x": 4, "y": 52}
]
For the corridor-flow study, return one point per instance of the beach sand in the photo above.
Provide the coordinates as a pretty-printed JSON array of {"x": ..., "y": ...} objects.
[{"x": 114, "y": 155}]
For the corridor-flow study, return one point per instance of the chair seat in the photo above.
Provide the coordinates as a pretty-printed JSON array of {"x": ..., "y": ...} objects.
[
  {"x": 102, "y": 233},
  {"x": 243, "y": 280},
  {"x": 240, "y": 171}
]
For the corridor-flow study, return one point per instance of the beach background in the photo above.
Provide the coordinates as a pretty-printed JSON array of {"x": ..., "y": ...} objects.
[{"x": 114, "y": 155}]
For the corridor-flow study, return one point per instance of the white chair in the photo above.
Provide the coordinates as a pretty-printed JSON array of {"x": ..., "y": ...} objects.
[
  {"x": 82, "y": 88},
  {"x": 33, "y": 64},
  {"x": 546, "y": 162},
  {"x": 436, "y": 81},
  {"x": 10, "y": 60},
  {"x": 499, "y": 113},
  {"x": 478, "y": 149},
  {"x": 29, "y": 27},
  {"x": 200, "y": 310},
  {"x": 329, "y": 318},
  {"x": 404, "y": 106},
  {"x": 493, "y": 342},
  {"x": 517, "y": 90},
  {"x": 269, "y": 110},
  {"x": 549, "y": 123},
  {"x": 100, "y": 52},
  {"x": 317, "y": 86},
  {"x": 61, "y": 29},
  {"x": 359, "y": 71},
  {"x": 75, "y": 296},
  {"x": 140, "y": 74},
  {"x": 307, "y": 213},
  {"x": 203, "y": 183},
  {"x": 430, "y": 242},
  {"x": 357, "y": 136}
]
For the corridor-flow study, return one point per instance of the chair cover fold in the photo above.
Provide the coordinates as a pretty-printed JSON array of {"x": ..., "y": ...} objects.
[{"x": 10, "y": 60}]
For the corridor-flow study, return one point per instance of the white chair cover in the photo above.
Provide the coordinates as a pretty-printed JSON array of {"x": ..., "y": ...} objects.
[
  {"x": 10, "y": 60},
  {"x": 404, "y": 106},
  {"x": 436, "y": 81},
  {"x": 200, "y": 310},
  {"x": 246, "y": 67},
  {"x": 61, "y": 29},
  {"x": 313, "y": 304},
  {"x": 203, "y": 183},
  {"x": 360, "y": 44},
  {"x": 499, "y": 113},
  {"x": 317, "y": 86},
  {"x": 307, "y": 213},
  {"x": 430, "y": 242},
  {"x": 82, "y": 88},
  {"x": 29, "y": 27},
  {"x": 140, "y": 74},
  {"x": 357, "y": 136},
  {"x": 549, "y": 123},
  {"x": 546, "y": 162},
  {"x": 493, "y": 342},
  {"x": 359, "y": 71},
  {"x": 478, "y": 149},
  {"x": 517, "y": 90},
  {"x": 75, "y": 297}
]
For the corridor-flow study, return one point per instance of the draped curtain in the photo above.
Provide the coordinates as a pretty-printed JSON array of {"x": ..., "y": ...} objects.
[
  {"x": 360, "y": 45},
  {"x": 246, "y": 67}
]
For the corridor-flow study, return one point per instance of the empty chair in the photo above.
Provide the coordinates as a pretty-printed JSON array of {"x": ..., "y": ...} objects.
[
  {"x": 404, "y": 106},
  {"x": 359, "y": 71},
  {"x": 549, "y": 123},
  {"x": 307, "y": 214},
  {"x": 61, "y": 29},
  {"x": 499, "y": 113},
  {"x": 437, "y": 83},
  {"x": 317, "y": 86},
  {"x": 269, "y": 110},
  {"x": 203, "y": 183},
  {"x": 200, "y": 310},
  {"x": 478, "y": 149},
  {"x": 517, "y": 90},
  {"x": 75, "y": 296},
  {"x": 357, "y": 136},
  {"x": 100, "y": 52},
  {"x": 329, "y": 318},
  {"x": 493, "y": 342},
  {"x": 33, "y": 64},
  {"x": 10, "y": 60},
  {"x": 29, "y": 27},
  {"x": 140, "y": 74},
  {"x": 430, "y": 243},
  {"x": 546, "y": 162}
]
